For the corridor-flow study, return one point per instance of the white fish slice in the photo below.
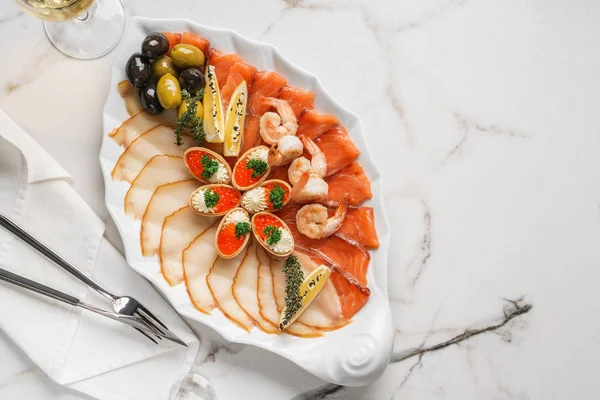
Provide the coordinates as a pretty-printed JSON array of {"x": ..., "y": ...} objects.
[
  {"x": 139, "y": 123},
  {"x": 198, "y": 258},
  {"x": 165, "y": 201},
  {"x": 179, "y": 230},
  {"x": 268, "y": 303},
  {"x": 220, "y": 282},
  {"x": 158, "y": 140},
  {"x": 158, "y": 171},
  {"x": 245, "y": 289}
]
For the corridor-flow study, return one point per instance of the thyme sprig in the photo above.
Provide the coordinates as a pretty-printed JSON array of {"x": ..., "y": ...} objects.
[
  {"x": 189, "y": 119},
  {"x": 293, "y": 280}
]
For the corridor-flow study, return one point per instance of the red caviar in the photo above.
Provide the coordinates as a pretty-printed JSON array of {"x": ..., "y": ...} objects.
[
  {"x": 262, "y": 221},
  {"x": 193, "y": 160},
  {"x": 228, "y": 198},
  {"x": 269, "y": 186},
  {"x": 243, "y": 174},
  {"x": 227, "y": 241}
]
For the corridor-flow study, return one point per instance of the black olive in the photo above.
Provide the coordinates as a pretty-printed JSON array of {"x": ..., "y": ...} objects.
[
  {"x": 155, "y": 45},
  {"x": 192, "y": 80},
  {"x": 149, "y": 98},
  {"x": 138, "y": 70}
]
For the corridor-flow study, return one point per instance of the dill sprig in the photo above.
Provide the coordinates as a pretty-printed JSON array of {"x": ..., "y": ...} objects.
[
  {"x": 209, "y": 166},
  {"x": 258, "y": 166},
  {"x": 276, "y": 196},
  {"x": 273, "y": 234},
  {"x": 241, "y": 229},
  {"x": 293, "y": 280},
  {"x": 189, "y": 119},
  {"x": 211, "y": 198}
]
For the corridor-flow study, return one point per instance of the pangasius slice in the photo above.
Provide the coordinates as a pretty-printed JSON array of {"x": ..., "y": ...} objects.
[
  {"x": 198, "y": 258},
  {"x": 157, "y": 141},
  {"x": 179, "y": 230},
  {"x": 220, "y": 282},
  {"x": 158, "y": 171},
  {"x": 245, "y": 288},
  {"x": 139, "y": 123},
  {"x": 165, "y": 201}
]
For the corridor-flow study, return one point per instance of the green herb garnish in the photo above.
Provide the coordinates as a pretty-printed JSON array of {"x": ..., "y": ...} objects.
[
  {"x": 276, "y": 197},
  {"x": 259, "y": 167},
  {"x": 189, "y": 119},
  {"x": 211, "y": 198},
  {"x": 273, "y": 234},
  {"x": 293, "y": 280},
  {"x": 209, "y": 166},
  {"x": 241, "y": 229}
]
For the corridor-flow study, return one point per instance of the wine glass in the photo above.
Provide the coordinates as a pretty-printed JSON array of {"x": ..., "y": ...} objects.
[{"x": 82, "y": 29}]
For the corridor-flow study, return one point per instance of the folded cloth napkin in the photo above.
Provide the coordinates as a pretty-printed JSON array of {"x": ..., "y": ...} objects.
[{"x": 74, "y": 347}]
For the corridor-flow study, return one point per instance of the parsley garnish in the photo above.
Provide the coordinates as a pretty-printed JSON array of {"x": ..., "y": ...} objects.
[
  {"x": 241, "y": 229},
  {"x": 276, "y": 197},
  {"x": 211, "y": 198},
  {"x": 273, "y": 234},
  {"x": 209, "y": 166},
  {"x": 189, "y": 119},
  {"x": 259, "y": 167},
  {"x": 293, "y": 280}
]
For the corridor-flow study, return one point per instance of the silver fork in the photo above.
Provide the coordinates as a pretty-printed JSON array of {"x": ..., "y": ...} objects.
[{"x": 124, "y": 305}]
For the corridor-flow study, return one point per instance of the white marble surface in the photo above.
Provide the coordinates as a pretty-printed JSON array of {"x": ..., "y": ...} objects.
[{"x": 484, "y": 117}]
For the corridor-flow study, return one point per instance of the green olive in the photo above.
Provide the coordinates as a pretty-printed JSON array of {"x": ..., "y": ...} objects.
[
  {"x": 184, "y": 106},
  {"x": 162, "y": 66},
  {"x": 169, "y": 91},
  {"x": 187, "y": 56}
]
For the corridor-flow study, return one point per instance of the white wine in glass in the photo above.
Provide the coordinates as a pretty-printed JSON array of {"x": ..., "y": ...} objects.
[{"x": 83, "y": 29}]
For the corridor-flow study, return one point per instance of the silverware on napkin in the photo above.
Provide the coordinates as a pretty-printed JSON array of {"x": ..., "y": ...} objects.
[{"x": 127, "y": 310}]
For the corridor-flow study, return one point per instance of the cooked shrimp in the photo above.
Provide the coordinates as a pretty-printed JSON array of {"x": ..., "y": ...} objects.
[
  {"x": 288, "y": 148},
  {"x": 318, "y": 162},
  {"x": 297, "y": 168},
  {"x": 312, "y": 220},
  {"x": 310, "y": 189},
  {"x": 274, "y": 126}
]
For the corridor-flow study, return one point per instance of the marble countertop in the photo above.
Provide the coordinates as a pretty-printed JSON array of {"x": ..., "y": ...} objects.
[{"x": 483, "y": 116}]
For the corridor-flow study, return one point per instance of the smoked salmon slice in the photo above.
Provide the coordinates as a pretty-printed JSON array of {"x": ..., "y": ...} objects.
[
  {"x": 251, "y": 134},
  {"x": 338, "y": 148},
  {"x": 264, "y": 84},
  {"x": 299, "y": 99},
  {"x": 222, "y": 63},
  {"x": 350, "y": 180},
  {"x": 239, "y": 71},
  {"x": 313, "y": 124},
  {"x": 351, "y": 298},
  {"x": 359, "y": 227},
  {"x": 280, "y": 173}
]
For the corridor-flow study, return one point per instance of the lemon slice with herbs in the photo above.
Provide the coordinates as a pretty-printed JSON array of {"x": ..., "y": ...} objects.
[
  {"x": 309, "y": 290},
  {"x": 213, "y": 109},
  {"x": 234, "y": 123}
]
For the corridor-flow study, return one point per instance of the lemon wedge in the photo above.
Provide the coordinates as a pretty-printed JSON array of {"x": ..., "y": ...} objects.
[
  {"x": 234, "y": 125},
  {"x": 213, "y": 109},
  {"x": 309, "y": 290}
]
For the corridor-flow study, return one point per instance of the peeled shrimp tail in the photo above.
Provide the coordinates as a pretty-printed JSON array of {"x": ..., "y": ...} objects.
[
  {"x": 318, "y": 161},
  {"x": 335, "y": 223},
  {"x": 297, "y": 189}
]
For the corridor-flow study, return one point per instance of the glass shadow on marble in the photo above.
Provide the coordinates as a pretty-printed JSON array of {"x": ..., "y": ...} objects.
[{"x": 82, "y": 29}]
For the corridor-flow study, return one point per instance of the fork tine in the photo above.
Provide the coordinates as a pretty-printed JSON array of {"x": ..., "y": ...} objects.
[
  {"x": 147, "y": 312},
  {"x": 145, "y": 334},
  {"x": 147, "y": 322}
]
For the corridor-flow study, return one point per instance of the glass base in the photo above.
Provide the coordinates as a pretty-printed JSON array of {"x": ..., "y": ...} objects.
[{"x": 92, "y": 34}]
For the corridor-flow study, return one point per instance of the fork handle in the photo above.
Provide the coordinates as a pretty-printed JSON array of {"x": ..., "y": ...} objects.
[
  {"x": 40, "y": 247},
  {"x": 25, "y": 283}
]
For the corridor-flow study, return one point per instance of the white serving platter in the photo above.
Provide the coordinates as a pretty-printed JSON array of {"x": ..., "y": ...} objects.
[{"x": 354, "y": 355}]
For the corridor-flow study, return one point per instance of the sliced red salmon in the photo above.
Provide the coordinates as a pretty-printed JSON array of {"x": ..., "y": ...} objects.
[
  {"x": 350, "y": 180},
  {"x": 339, "y": 149},
  {"x": 239, "y": 71},
  {"x": 351, "y": 298},
  {"x": 280, "y": 173},
  {"x": 299, "y": 99},
  {"x": 359, "y": 227},
  {"x": 265, "y": 84},
  {"x": 313, "y": 124},
  {"x": 222, "y": 63}
]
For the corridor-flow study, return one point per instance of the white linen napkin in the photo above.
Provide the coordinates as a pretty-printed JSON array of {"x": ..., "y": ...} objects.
[{"x": 74, "y": 347}]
